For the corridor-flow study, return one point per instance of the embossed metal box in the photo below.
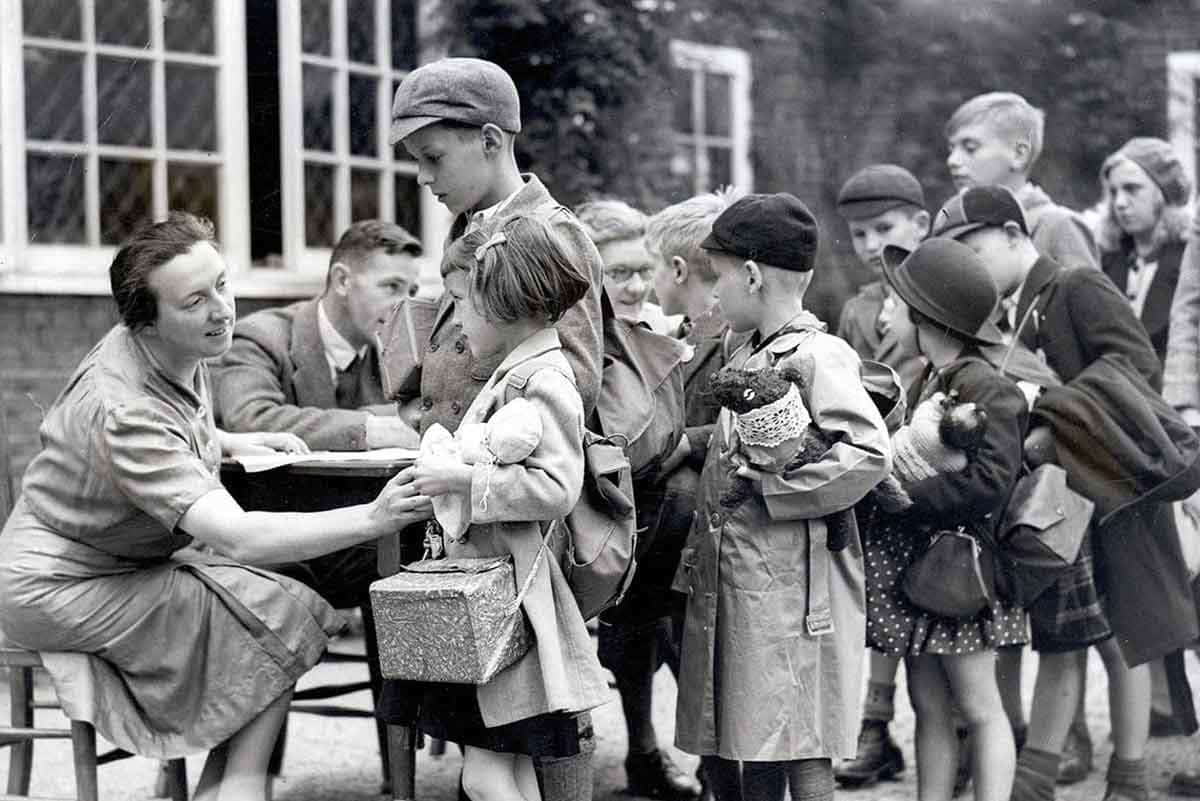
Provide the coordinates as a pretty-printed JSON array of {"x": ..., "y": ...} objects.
[{"x": 452, "y": 620}]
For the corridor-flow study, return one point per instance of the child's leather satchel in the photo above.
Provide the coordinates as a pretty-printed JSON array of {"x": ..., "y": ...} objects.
[
  {"x": 453, "y": 620},
  {"x": 950, "y": 577}
]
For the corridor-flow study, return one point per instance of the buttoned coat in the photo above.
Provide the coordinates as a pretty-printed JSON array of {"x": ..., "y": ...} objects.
[
  {"x": 1080, "y": 315},
  {"x": 451, "y": 377},
  {"x": 276, "y": 377},
  {"x": 509, "y": 506},
  {"x": 859, "y": 326},
  {"x": 762, "y": 678},
  {"x": 1156, "y": 311}
]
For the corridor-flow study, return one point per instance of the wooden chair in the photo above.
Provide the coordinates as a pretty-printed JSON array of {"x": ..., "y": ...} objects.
[{"x": 22, "y": 731}]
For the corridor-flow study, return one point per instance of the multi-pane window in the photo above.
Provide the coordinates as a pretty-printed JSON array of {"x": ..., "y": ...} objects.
[
  {"x": 341, "y": 61},
  {"x": 711, "y": 89},
  {"x": 1183, "y": 108},
  {"x": 116, "y": 111}
]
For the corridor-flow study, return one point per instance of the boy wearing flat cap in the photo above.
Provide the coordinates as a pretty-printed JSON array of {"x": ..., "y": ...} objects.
[
  {"x": 1138, "y": 588},
  {"x": 772, "y": 646},
  {"x": 883, "y": 205},
  {"x": 458, "y": 118}
]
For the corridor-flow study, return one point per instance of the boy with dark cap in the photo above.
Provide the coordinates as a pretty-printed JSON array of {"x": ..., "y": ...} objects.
[
  {"x": 458, "y": 117},
  {"x": 1074, "y": 318},
  {"x": 883, "y": 204},
  {"x": 771, "y": 664}
]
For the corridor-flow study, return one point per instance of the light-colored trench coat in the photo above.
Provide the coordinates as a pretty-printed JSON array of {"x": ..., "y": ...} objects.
[
  {"x": 561, "y": 672},
  {"x": 773, "y": 640}
]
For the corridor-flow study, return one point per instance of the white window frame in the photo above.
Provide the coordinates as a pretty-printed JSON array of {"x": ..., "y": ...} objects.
[
  {"x": 27, "y": 267},
  {"x": 1183, "y": 73},
  {"x": 734, "y": 63},
  {"x": 310, "y": 264}
]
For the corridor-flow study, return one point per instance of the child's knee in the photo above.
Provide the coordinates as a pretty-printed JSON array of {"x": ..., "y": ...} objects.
[{"x": 487, "y": 780}]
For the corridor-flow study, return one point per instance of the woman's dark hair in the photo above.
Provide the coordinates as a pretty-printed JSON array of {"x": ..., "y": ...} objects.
[
  {"x": 523, "y": 272},
  {"x": 150, "y": 247}
]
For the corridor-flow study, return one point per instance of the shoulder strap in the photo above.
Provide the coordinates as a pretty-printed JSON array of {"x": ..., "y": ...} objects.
[
  {"x": 1016, "y": 334},
  {"x": 517, "y": 379}
]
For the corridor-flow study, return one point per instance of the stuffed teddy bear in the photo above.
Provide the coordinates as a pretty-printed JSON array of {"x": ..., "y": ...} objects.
[
  {"x": 774, "y": 427},
  {"x": 508, "y": 437},
  {"x": 937, "y": 440}
]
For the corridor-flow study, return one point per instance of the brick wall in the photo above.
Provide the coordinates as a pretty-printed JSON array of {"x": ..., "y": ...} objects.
[{"x": 42, "y": 339}]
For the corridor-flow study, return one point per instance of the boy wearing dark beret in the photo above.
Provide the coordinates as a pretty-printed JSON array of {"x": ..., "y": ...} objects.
[{"x": 772, "y": 646}]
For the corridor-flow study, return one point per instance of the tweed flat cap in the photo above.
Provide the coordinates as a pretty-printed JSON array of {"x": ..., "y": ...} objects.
[
  {"x": 978, "y": 207},
  {"x": 878, "y": 188},
  {"x": 467, "y": 90}
]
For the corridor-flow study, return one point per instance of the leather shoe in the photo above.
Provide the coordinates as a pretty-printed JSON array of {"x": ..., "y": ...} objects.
[
  {"x": 1164, "y": 725},
  {"x": 1076, "y": 761},
  {"x": 1185, "y": 783},
  {"x": 878, "y": 758},
  {"x": 654, "y": 775}
]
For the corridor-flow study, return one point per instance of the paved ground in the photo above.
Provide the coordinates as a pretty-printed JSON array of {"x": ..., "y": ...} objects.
[{"x": 336, "y": 759}]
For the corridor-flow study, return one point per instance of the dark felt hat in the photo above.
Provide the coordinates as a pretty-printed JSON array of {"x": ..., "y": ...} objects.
[
  {"x": 776, "y": 230},
  {"x": 878, "y": 188},
  {"x": 978, "y": 207},
  {"x": 1158, "y": 160},
  {"x": 945, "y": 281},
  {"x": 466, "y": 90}
]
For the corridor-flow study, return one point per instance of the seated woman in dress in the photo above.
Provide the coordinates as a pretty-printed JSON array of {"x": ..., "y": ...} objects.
[{"x": 185, "y": 649}]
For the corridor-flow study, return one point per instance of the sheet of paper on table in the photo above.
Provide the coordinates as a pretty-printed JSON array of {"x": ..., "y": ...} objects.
[{"x": 258, "y": 462}]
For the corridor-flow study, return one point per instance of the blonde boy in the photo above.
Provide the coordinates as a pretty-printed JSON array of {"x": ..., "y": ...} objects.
[
  {"x": 996, "y": 138},
  {"x": 771, "y": 663}
]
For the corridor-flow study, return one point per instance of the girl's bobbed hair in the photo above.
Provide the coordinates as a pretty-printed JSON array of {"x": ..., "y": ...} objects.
[
  {"x": 149, "y": 248},
  {"x": 523, "y": 271}
]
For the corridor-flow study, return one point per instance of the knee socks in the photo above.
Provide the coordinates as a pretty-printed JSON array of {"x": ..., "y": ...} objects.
[
  {"x": 1129, "y": 776},
  {"x": 879, "y": 704},
  {"x": 1037, "y": 773}
]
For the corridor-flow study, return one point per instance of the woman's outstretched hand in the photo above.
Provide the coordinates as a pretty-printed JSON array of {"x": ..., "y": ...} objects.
[{"x": 400, "y": 503}]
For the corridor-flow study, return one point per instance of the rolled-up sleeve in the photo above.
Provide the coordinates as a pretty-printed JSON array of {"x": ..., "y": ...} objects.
[{"x": 152, "y": 461}]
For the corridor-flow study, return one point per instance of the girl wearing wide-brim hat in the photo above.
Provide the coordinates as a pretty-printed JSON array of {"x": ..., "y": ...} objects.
[{"x": 941, "y": 302}]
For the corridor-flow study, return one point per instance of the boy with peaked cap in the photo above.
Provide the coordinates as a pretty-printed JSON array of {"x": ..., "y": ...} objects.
[
  {"x": 458, "y": 118},
  {"x": 771, "y": 666},
  {"x": 1073, "y": 318},
  {"x": 883, "y": 204},
  {"x": 996, "y": 138}
]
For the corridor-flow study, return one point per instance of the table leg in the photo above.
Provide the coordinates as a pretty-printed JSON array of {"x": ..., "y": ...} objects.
[{"x": 402, "y": 758}]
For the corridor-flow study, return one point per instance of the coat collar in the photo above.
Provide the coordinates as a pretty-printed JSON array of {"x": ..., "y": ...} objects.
[
  {"x": 529, "y": 197},
  {"x": 1040, "y": 275},
  {"x": 311, "y": 380},
  {"x": 535, "y": 345}
]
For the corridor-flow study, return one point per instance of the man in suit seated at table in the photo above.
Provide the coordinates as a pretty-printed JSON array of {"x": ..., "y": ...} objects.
[{"x": 312, "y": 369}]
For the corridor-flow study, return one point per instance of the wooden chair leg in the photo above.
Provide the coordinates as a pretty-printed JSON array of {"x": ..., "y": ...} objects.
[
  {"x": 402, "y": 756},
  {"x": 83, "y": 743},
  {"x": 20, "y": 758}
]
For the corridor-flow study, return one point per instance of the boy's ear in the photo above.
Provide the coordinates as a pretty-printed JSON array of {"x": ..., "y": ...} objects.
[
  {"x": 1013, "y": 232},
  {"x": 1020, "y": 160},
  {"x": 679, "y": 269},
  {"x": 493, "y": 138},
  {"x": 922, "y": 220},
  {"x": 753, "y": 275}
]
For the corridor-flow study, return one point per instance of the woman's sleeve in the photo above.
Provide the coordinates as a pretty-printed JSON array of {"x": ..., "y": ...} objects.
[
  {"x": 546, "y": 485},
  {"x": 983, "y": 487},
  {"x": 152, "y": 461}
]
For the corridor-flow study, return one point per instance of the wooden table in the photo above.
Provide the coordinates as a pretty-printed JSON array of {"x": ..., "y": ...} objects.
[{"x": 316, "y": 487}]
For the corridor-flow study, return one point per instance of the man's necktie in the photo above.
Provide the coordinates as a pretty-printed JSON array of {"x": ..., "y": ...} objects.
[{"x": 346, "y": 392}]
